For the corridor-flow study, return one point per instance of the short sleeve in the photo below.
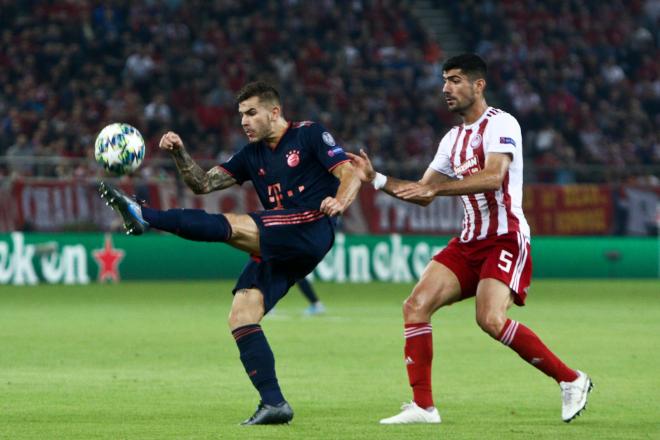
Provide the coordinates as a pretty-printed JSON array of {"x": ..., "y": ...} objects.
[
  {"x": 237, "y": 166},
  {"x": 442, "y": 160},
  {"x": 503, "y": 135},
  {"x": 324, "y": 147}
]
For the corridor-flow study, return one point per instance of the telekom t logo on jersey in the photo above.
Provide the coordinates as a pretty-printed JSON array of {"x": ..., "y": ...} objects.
[{"x": 275, "y": 195}]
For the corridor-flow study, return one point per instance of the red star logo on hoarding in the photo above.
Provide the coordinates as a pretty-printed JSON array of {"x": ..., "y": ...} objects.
[{"x": 108, "y": 260}]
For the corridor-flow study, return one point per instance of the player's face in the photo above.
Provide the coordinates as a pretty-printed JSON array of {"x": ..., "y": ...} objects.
[
  {"x": 257, "y": 118},
  {"x": 459, "y": 90}
]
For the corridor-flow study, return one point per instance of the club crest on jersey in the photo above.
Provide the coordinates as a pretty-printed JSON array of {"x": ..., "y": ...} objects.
[
  {"x": 328, "y": 139},
  {"x": 476, "y": 141},
  {"x": 468, "y": 167},
  {"x": 293, "y": 158}
]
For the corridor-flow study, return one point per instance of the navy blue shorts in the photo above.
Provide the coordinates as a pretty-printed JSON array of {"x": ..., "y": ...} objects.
[{"x": 292, "y": 243}]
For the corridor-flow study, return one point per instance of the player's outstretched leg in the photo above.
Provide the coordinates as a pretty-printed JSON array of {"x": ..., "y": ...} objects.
[
  {"x": 191, "y": 224},
  {"x": 129, "y": 210},
  {"x": 575, "y": 385},
  {"x": 493, "y": 300}
]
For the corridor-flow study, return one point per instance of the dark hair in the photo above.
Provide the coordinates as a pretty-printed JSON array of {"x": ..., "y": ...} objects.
[
  {"x": 470, "y": 64},
  {"x": 262, "y": 89}
]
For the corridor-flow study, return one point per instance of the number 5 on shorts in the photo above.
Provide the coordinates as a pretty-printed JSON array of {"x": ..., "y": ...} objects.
[{"x": 505, "y": 261}]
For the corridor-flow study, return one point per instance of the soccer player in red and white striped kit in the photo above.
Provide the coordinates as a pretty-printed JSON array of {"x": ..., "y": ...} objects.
[{"x": 481, "y": 161}]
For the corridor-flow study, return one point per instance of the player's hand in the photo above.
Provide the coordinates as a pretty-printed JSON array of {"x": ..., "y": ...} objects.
[
  {"x": 364, "y": 170},
  {"x": 331, "y": 206},
  {"x": 416, "y": 191},
  {"x": 171, "y": 142}
]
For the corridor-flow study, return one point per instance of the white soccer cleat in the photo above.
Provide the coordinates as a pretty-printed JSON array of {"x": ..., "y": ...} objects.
[
  {"x": 574, "y": 396},
  {"x": 411, "y": 413}
]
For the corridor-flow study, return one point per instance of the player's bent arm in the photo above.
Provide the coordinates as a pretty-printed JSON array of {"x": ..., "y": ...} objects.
[
  {"x": 422, "y": 188},
  {"x": 349, "y": 184},
  {"x": 198, "y": 180},
  {"x": 431, "y": 177},
  {"x": 490, "y": 178},
  {"x": 218, "y": 179}
]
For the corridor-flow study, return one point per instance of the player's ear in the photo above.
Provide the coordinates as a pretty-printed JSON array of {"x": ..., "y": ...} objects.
[
  {"x": 275, "y": 112},
  {"x": 480, "y": 85}
]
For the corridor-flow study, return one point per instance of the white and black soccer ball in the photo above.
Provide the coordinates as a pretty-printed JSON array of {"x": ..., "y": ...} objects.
[{"x": 119, "y": 148}]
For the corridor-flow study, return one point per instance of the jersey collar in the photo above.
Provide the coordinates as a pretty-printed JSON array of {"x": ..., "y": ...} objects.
[
  {"x": 280, "y": 141},
  {"x": 478, "y": 121}
]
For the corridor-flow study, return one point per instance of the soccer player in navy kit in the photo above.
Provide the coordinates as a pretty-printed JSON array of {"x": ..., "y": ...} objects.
[{"x": 303, "y": 180}]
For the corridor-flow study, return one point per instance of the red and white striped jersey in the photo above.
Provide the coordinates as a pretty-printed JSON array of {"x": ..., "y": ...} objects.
[{"x": 462, "y": 151}]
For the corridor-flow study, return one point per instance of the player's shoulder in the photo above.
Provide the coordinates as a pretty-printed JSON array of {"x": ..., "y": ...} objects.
[
  {"x": 306, "y": 129},
  {"x": 304, "y": 125},
  {"x": 501, "y": 117},
  {"x": 451, "y": 133},
  {"x": 314, "y": 132},
  {"x": 250, "y": 147}
]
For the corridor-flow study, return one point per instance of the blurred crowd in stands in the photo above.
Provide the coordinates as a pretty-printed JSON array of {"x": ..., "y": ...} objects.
[{"x": 583, "y": 77}]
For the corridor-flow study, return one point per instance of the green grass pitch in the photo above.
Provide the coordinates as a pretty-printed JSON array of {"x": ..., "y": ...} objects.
[{"x": 156, "y": 361}]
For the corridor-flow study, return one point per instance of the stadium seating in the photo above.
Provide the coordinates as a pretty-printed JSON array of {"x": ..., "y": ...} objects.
[
  {"x": 581, "y": 76},
  {"x": 585, "y": 93}
]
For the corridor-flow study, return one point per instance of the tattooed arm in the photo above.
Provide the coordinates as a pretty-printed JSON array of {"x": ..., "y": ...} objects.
[{"x": 200, "y": 181}]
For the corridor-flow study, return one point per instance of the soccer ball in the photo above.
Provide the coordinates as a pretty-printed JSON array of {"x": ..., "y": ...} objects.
[{"x": 119, "y": 148}]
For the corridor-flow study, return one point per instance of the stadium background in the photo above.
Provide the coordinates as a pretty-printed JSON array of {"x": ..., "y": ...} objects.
[{"x": 582, "y": 77}]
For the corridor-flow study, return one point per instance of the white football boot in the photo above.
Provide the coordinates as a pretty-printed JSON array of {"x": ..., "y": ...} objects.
[
  {"x": 574, "y": 396},
  {"x": 411, "y": 413}
]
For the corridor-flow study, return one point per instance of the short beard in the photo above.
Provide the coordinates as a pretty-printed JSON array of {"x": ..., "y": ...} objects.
[{"x": 462, "y": 109}]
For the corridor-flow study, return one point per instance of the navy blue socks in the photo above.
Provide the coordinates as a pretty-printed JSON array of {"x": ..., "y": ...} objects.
[
  {"x": 191, "y": 224},
  {"x": 307, "y": 290},
  {"x": 259, "y": 363}
]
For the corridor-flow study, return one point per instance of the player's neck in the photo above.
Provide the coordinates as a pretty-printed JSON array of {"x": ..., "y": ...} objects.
[
  {"x": 473, "y": 113},
  {"x": 281, "y": 126}
]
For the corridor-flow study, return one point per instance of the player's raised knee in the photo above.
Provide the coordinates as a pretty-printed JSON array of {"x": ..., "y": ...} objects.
[
  {"x": 417, "y": 309},
  {"x": 491, "y": 322},
  {"x": 239, "y": 318},
  {"x": 244, "y": 314}
]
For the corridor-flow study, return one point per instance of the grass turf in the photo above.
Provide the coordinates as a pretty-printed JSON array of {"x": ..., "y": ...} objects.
[{"x": 156, "y": 361}]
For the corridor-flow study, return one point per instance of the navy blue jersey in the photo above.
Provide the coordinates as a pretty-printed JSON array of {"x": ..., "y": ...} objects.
[{"x": 294, "y": 174}]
